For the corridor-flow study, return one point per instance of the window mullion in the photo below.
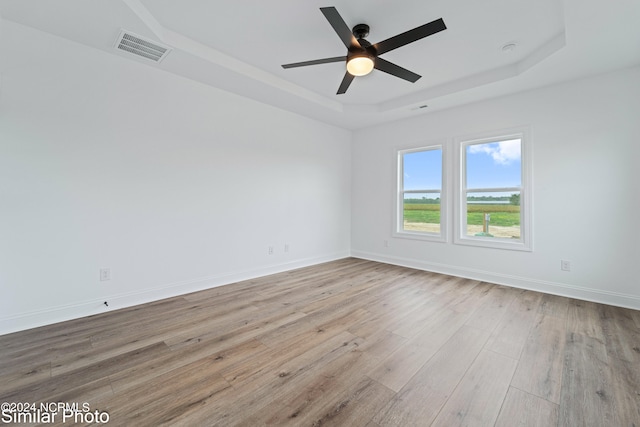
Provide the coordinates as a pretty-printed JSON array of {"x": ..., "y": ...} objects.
[
  {"x": 422, "y": 191},
  {"x": 492, "y": 190}
]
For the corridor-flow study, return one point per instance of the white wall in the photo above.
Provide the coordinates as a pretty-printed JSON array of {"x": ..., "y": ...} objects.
[
  {"x": 586, "y": 154},
  {"x": 173, "y": 185}
]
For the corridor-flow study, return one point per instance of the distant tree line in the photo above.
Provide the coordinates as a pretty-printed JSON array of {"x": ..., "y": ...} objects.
[
  {"x": 423, "y": 201},
  {"x": 513, "y": 199}
]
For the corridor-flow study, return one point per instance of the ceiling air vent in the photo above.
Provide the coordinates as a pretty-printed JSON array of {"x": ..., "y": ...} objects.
[{"x": 137, "y": 45}]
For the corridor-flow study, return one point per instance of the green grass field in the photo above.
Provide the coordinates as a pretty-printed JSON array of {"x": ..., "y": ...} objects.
[{"x": 501, "y": 215}]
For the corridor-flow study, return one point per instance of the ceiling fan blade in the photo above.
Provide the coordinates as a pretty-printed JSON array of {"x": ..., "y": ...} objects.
[
  {"x": 346, "y": 81},
  {"x": 396, "y": 70},
  {"x": 315, "y": 62},
  {"x": 339, "y": 26},
  {"x": 410, "y": 36}
]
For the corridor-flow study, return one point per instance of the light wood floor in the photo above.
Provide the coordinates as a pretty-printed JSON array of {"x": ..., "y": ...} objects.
[{"x": 347, "y": 343}]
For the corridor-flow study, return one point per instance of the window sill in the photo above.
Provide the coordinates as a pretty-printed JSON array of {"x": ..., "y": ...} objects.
[
  {"x": 417, "y": 235},
  {"x": 493, "y": 243}
]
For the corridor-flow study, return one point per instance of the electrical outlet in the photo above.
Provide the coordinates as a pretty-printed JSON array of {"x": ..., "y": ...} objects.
[
  {"x": 270, "y": 250},
  {"x": 386, "y": 243},
  {"x": 565, "y": 265},
  {"x": 105, "y": 274},
  {"x": 286, "y": 247}
]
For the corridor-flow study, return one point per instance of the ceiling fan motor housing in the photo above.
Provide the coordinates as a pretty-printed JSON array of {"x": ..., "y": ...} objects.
[{"x": 360, "y": 31}]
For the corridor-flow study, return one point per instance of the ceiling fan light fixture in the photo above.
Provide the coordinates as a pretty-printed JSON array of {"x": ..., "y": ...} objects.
[
  {"x": 360, "y": 65},
  {"x": 362, "y": 56}
]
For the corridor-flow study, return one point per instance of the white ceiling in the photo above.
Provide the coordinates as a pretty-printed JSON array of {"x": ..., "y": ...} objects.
[{"x": 239, "y": 46}]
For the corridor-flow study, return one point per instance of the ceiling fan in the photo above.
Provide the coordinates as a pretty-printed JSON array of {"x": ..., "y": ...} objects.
[{"x": 362, "y": 57}]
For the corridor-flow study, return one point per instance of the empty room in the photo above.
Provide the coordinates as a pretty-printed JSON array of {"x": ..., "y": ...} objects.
[{"x": 301, "y": 213}]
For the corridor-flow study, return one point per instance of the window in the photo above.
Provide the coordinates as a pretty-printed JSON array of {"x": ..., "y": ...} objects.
[
  {"x": 420, "y": 205},
  {"x": 493, "y": 208}
]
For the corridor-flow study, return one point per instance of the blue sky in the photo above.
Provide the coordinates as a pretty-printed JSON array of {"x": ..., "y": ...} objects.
[
  {"x": 423, "y": 170},
  {"x": 495, "y": 164}
]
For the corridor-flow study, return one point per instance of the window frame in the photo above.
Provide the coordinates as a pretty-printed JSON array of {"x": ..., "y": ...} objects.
[
  {"x": 398, "y": 216},
  {"x": 525, "y": 243}
]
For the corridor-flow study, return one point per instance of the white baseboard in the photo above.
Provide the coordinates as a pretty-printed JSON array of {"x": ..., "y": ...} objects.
[
  {"x": 554, "y": 288},
  {"x": 63, "y": 313}
]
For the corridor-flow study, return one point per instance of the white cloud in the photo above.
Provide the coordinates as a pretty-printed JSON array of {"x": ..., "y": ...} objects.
[{"x": 503, "y": 152}]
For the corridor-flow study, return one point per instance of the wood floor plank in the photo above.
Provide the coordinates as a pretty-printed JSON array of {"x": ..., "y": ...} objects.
[
  {"x": 341, "y": 319},
  {"x": 595, "y": 379},
  {"x": 492, "y": 308},
  {"x": 540, "y": 369},
  {"x": 91, "y": 392},
  {"x": 625, "y": 393},
  {"x": 420, "y": 400},
  {"x": 554, "y": 305},
  {"x": 289, "y": 333},
  {"x": 22, "y": 376},
  {"x": 148, "y": 332},
  {"x": 491, "y": 373},
  {"x": 292, "y": 339},
  {"x": 510, "y": 335},
  {"x": 352, "y": 407},
  {"x": 402, "y": 292},
  {"x": 370, "y": 325},
  {"x": 348, "y": 342},
  {"x": 239, "y": 327},
  {"x": 148, "y": 404},
  {"x": 357, "y": 295},
  {"x": 397, "y": 369},
  {"x": 526, "y": 410},
  {"x": 622, "y": 337},
  {"x": 218, "y": 359},
  {"x": 381, "y": 344},
  {"x": 310, "y": 403},
  {"x": 441, "y": 283},
  {"x": 41, "y": 354},
  {"x": 314, "y": 348},
  {"x": 395, "y": 309},
  {"x": 135, "y": 320},
  {"x": 259, "y": 394},
  {"x": 408, "y": 323},
  {"x": 636, "y": 317},
  {"x": 587, "y": 383},
  {"x": 466, "y": 297},
  {"x": 36, "y": 392},
  {"x": 583, "y": 317}
]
